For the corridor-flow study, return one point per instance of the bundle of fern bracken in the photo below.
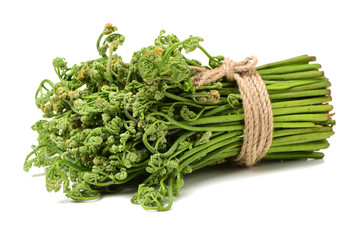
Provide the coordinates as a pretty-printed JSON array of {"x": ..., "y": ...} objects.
[{"x": 107, "y": 122}]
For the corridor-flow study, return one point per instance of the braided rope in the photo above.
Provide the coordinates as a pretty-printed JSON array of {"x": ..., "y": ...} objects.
[{"x": 256, "y": 102}]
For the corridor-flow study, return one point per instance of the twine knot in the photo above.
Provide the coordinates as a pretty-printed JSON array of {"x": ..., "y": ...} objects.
[
  {"x": 256, "y": 103},
  {"x": 230, "y": 67}
]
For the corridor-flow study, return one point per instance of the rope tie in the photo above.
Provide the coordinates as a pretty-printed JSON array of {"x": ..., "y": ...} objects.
[{"x": 256, "y": 103}]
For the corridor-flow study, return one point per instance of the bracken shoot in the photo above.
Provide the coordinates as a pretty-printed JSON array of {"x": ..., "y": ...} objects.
[{"x": 107, "y": 122}]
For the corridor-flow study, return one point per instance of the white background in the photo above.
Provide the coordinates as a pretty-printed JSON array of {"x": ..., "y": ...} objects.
[{"x": 290, "y": 200}]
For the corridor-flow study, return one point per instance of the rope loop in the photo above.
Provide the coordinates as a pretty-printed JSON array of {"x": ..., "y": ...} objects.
[{"x": 256, "y": 102}]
